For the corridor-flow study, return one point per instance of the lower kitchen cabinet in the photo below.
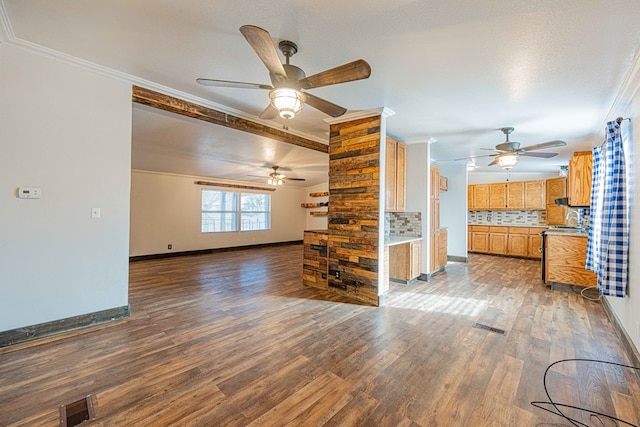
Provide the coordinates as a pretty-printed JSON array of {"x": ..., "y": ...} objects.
[
  {"x": 565, "y": 259},
  {"x": 404, "y": 261},
  {"x": 523, "y": 242}
]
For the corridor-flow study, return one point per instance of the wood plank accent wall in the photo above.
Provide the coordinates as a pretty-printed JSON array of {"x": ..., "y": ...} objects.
[
  {"x": 185, "y": 108},
  {"x": 354, "y": 210}
]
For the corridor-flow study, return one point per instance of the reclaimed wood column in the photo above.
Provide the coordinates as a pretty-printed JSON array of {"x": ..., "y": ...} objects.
[{"x": 355, "y": 241}]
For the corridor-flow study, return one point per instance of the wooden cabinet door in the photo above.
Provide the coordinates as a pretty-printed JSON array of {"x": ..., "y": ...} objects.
[
  {"x": 480, "y": 241},
  {"x": 481, "y": 197},
  {"x": 433, "y": 256},
  {"x": 390, "y": 173},
  {"x": 515, "y": 195},
  {"x": 579, "y": 182},
  {"x": 470, "y": 204},
  {"x": 566, "y": 257},
  {"x": 518, "y": 245},
  {"x": 498, "y": 243},
  {"x": 497, "y": 196},
  {"x": 555, "y": 189},
  {"x": 534, "y": 195},
  {"x": 415, "y": 259},
  {"x": 401, "y": 177},
  {"x": 535, "y": 244},
  {"x": 435, "y": 215},
  {"x": 442, "y": 247}
]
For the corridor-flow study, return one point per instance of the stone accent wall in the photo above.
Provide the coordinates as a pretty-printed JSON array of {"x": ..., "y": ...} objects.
[{"x": 353, "y": 214}]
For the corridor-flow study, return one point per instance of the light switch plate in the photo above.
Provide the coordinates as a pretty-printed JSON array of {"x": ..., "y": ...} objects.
[{"x": 95, "y": 213}]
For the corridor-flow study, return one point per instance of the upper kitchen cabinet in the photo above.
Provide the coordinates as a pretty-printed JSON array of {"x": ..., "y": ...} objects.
[
  {"x": 480, "y": 197},
  {"x": 556, "y": 189},
  {"x": 529, "y": 195},
  {"x": 579, "y": 180},
  {"x": 395, "y": 176}
]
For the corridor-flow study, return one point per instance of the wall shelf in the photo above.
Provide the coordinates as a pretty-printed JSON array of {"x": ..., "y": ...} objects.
[
  {"x": 314, "y": 205},
  {"x": 321, "y": 194},
  {"x": 318, "y": 213}
]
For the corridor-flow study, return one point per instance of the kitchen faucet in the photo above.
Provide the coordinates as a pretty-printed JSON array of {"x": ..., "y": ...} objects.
[{"x": 578, "y": 218}]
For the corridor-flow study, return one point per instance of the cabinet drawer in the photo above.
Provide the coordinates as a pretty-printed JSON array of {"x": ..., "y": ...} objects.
[
  {"x": 518, "y": 230},
  {"x": 494, "y": 229}
]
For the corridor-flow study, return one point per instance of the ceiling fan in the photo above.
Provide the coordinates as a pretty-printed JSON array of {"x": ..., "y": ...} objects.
[
  {"x": 276, "y": 178},
  {"x": 508, "y": 153},
  {"x": 288, "y": 81}
]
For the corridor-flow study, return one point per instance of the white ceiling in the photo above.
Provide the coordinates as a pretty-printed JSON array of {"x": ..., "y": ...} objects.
[{"x": 454, "y": 71}]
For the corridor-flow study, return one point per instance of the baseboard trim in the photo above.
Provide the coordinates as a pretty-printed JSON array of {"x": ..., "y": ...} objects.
[
  {"x": 211, "y": 251},
  {"x": 34, "y": 332},
  {"x": 630, "y": 348},
  {"x": 454, "y": 258}
]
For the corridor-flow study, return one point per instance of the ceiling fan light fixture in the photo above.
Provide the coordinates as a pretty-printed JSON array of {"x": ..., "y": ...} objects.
[
  {"x": 287, "y": 101},
  {"x": 508, "y": 161}
]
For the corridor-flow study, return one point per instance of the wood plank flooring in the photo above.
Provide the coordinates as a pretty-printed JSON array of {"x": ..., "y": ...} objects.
[{"x": 234, "y": 339}]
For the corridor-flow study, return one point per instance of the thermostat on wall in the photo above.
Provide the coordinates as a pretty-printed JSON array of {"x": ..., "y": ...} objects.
[{"x": 29, "y": 192}]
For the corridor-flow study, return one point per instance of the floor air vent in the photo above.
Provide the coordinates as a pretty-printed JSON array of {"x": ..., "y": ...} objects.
[
  {"x": 490, "y": 328},
  {"x": 75, "y": 413}
]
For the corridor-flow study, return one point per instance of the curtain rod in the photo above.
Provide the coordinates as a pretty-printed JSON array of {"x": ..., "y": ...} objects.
[{"x": 620, "y": 119}]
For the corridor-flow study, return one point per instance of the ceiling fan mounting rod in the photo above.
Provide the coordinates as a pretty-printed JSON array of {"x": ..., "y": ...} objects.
[{"x": 288, "y": 49}]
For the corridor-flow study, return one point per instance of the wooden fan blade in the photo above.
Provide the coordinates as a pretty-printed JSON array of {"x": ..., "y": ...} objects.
[
  {"x": 269, "y": 113},
  {"x": 293, "y": 179},
  {"x": 539, "y": 154},
  {"x": 476, "y": 157},
  {"x": 229, "y": 83},
  {"x": 325, "y": 106},
  {"x": 554, "y": 143},
  {"x": 355, "y": 70},
  {"x": 261, "y": 42},
  {"x": 494, "y": 162}
]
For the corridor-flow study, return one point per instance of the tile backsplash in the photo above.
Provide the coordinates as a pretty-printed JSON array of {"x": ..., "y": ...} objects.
[
  {"x": 407, "y": 224},
  {"x": 507, "y": 218}
]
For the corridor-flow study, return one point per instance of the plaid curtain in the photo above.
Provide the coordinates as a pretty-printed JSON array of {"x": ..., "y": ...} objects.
[
  {"x": 595, "y": 217},
  {"x": 608, "y": 245}
]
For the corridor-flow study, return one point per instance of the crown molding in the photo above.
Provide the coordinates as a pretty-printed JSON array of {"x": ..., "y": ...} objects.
[{"x": 360, "y": 114}]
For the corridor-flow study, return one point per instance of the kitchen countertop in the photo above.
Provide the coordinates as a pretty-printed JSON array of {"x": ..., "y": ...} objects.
[
  {"x": 399, "y": 240},
  {"x": 566, "y": 232},
  {"x": 511, "y": 225}
]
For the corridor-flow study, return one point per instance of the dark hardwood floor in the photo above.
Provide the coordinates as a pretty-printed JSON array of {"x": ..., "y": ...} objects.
[{"x": 234, "y": 339}]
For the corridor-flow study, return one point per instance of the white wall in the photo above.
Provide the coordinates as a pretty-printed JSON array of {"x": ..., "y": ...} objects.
[
  {"x": 316, "y": 222},
  {"x": 453, "y": 209},
  {"x": 166, "y": 209},
  {"x": 418, "y": 194},
  {"x": 501, "y": 176},
  {"x": 67, "y": 131},
  {"x": 628, "y": 309}
]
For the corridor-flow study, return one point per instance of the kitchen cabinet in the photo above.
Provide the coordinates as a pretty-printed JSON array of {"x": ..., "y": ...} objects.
[
  {"x": 481, "y": 197},
  {"x": 565, "y": 259},
  {"x": 534, "y": 195},
  {"x": 515, "y": 195},
  {"x": 579, "y": 179},
  {"x": 404, "y": 261},
  {"x": 437, "y": 236},
  {"x": 503, "y": 240},
  {"x": 520, "y": 195},
  {"x": 518, "y": 241},
  {"x": 556, "y": 188},
  {"x": 395, "y": 176},
  {"x": 479, "y": 238},
  {"x": 498, "y": 240},
  {"x": 534, "y": 249},
  {"x": 442, "y": 247},
  {"x": 497, "y": 196}
]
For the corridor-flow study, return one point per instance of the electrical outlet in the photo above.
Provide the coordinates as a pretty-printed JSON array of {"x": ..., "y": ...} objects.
[
  {"x": 169, "y": 246},
  {"x": 337, "y": 274}
]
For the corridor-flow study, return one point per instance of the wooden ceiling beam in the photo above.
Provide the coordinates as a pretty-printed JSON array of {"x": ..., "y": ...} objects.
[{"x": 185, "y": 108}]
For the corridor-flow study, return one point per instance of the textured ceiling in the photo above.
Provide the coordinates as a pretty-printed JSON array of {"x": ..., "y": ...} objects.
[{"x": 453, "y": 71}]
